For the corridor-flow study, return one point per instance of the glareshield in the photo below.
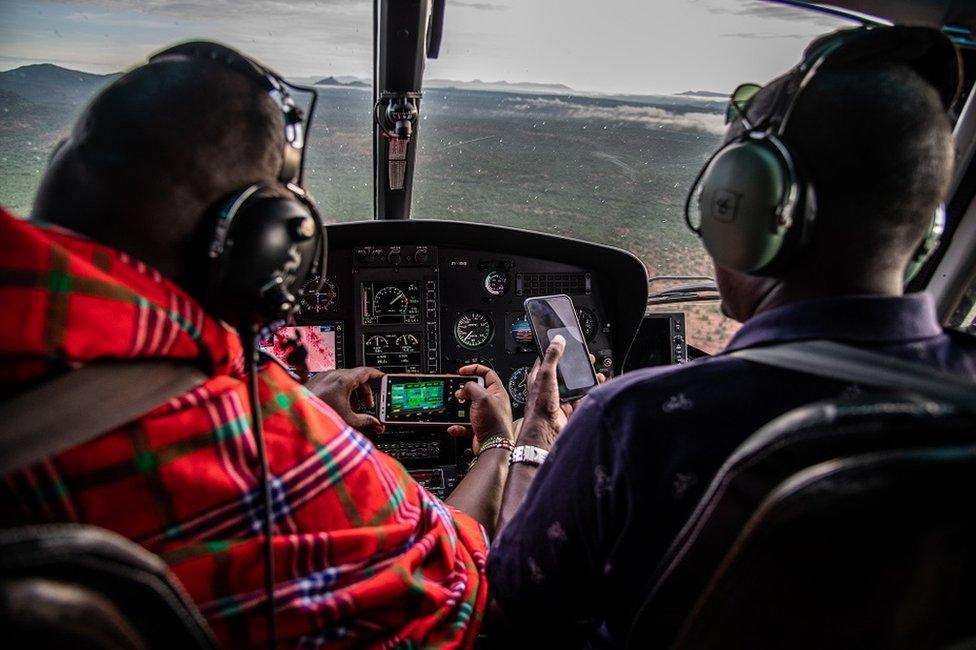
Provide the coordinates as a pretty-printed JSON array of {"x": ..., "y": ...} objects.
[{"x": 552, "y": 316}]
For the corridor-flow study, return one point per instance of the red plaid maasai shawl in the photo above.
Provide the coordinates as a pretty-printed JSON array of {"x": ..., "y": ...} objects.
[{"x": 364, "y": 555}]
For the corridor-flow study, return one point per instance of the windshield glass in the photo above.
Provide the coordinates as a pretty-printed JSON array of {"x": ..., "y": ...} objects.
[
  {"x": 54, "y": 55},
  {"x": 580, "y": 120},
  {"x": 570, "y": 117}
]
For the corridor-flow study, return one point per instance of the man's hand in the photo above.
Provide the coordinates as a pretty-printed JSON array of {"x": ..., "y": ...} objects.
[
  {"x": 345, "y": 390},
  {"x": 491, "y": 410},
  {"x": 545, "y": 415}
]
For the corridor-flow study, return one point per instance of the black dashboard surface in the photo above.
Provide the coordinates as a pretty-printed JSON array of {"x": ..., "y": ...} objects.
[{"x": 423, "y": 296}]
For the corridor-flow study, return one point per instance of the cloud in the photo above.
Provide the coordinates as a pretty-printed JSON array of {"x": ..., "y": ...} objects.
[
  {"x": 320, "y": 10},
  {"x": 650, "y": 116},
  {"x": 769, "y": 9},
  {"x": 480, "y": 6},
  {"x": 763, "y": 35}
]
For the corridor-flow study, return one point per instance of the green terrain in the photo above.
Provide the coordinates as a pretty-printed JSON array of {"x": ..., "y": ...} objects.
[{"x": 614, "y": 170}]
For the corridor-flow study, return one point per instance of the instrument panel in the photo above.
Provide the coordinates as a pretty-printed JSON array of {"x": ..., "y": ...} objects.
[{"x": 430, "y": 296}]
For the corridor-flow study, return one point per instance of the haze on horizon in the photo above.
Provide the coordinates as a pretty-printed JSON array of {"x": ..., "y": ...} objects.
[{"x": 631, "y": 46}]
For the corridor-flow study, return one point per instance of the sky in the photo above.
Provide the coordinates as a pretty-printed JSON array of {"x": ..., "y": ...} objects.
[{"x": 631, "y": 46}]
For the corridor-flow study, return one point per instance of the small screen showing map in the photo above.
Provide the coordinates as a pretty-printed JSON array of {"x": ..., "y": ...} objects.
[
  {"x": 318, "y": 340},
  {"x": 419, "y": 396}
]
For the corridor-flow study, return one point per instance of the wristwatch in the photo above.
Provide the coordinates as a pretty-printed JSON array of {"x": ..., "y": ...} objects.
[{"x": 528, "y": 454}]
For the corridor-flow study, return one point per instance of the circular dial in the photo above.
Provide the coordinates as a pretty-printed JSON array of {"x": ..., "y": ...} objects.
[
  {"x": 317, "y": 302},
  {"x": 588, "y": 322},
  {"x": 517, "y": 385},
  {"x": 389, "y": 301},
  {"x": 473, "y": 329},
  {"x": 496, "y": 283}
]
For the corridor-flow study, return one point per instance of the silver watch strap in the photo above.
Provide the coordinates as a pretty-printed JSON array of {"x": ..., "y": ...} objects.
[{"x": 528, "y": 454}]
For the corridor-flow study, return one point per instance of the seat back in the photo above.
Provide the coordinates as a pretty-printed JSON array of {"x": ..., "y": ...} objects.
[
  {"x": 871, "y": 551},
  {"x": 39, "y": 613},
  {"x": 793, "y": 442},
  {"x": 132, "y": 599}
]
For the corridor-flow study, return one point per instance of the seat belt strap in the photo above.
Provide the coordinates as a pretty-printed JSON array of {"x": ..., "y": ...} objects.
[
  {"x": 847, "y": 363},
  {"x": 83, "y": 404}
]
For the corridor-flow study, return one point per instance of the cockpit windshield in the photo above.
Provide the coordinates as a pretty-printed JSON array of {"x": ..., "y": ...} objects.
[
  {"x": 583, "y": 119},
  {"x": 590, "y": 120}
]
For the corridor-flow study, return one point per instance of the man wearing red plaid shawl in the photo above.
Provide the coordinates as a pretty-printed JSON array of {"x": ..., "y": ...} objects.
[{"x": 106, "y": 269}]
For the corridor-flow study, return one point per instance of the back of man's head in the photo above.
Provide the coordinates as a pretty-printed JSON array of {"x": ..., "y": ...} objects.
[
  {"x": 877, "y": 144},
  {"x": 153, "y": 151}
]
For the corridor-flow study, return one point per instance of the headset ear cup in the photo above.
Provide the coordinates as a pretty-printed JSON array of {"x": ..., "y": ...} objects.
[
  {"x": 744, "y": 193},
  {"x": 271, "y": 245}
]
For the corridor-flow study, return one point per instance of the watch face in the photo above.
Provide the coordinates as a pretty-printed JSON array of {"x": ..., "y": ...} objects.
[{"x": 529, "y": 454}]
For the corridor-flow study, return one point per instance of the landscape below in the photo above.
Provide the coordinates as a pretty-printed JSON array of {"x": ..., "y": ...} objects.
[{"x": 613, "y": 169}]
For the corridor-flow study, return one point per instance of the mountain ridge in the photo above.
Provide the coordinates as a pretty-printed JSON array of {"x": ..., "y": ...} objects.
[
  {"x": 49, "y": 83},
  {"x": 352, "y": 83}
]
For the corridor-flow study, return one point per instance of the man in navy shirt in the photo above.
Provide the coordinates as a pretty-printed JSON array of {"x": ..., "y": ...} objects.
[{"x": 633, "y": 460}]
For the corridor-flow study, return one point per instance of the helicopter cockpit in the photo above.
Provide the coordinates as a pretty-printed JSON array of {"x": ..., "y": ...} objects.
[{"x": 448, "y": 201}]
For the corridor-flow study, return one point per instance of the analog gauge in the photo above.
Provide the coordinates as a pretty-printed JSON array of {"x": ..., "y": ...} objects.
[
  {"x": 496, "y": 283},
  {"x": 517, "y": 385},
  {"x": 521, "y": 331},
  {"x": 390, "y": 300},
  {"x": 317, "y": 302},
  {"x": 377, "y": 342},
  {"x": 473, "y": 329},
  {"x": 588, "y": 322},
  {"x": 404, "y": 341}
]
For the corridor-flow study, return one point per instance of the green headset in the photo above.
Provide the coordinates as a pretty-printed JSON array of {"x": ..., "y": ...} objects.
[{"x": 757, "y": 206}]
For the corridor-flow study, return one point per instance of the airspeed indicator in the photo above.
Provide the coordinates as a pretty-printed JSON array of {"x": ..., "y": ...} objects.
[{"x": 473, "y": 329}]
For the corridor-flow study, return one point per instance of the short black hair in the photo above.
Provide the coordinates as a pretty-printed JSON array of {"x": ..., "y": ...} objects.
[
  {"x": 154, "y": 149},
  {"x": 876, "y": 142}
]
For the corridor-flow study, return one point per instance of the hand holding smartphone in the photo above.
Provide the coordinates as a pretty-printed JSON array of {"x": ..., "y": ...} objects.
[
  {"x": 550, "y": 316},
  {"x": 424, "y": 399}
]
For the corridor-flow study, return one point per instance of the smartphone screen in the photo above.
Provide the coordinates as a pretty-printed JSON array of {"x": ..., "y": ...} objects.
[
  {"x": 550, "y": 316},
  {"x": 424, "y": 399}
]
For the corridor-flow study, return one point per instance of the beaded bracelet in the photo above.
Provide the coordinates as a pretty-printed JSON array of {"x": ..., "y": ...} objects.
[{"x": 497, "y": 441}]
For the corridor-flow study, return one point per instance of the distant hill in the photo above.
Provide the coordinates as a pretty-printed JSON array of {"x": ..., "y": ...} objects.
[
  {"x": 352, "y": 83},
  {"x": 478, "y": 84},
  {"x": 703, "y": 93},
  {"x": 45, "y": 83}
]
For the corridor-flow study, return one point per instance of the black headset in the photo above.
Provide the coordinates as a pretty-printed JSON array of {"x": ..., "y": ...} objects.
[
  {"x": 267, "y": 244},
  {"x": 757, "y": 205},
  {"x": 266, "y": 250}
]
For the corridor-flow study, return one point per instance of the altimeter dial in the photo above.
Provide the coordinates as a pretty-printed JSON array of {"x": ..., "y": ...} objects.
[{"x": 473, "y": 329}]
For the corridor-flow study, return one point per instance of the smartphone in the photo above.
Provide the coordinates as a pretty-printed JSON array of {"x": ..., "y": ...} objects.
[
  {"x": 552, "y": 315},
  {"x": 424, "y": 399}
]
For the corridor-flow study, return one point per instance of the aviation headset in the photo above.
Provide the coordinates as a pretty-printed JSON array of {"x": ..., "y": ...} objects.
[
  {"x": 264, "y": 252},
  {"x": 265, "y": 246},
  {"x": 757, "y": 206}
]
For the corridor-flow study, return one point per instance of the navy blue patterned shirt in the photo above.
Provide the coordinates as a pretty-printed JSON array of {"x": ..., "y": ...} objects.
[{"x": 635, "y": 458}]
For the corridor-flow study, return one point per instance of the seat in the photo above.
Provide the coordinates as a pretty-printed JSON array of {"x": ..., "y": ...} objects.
[
  {"x": 872, "y": 551},
  {"x": 831, "y": 431},
  {"x": 69, "y": 585}
]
